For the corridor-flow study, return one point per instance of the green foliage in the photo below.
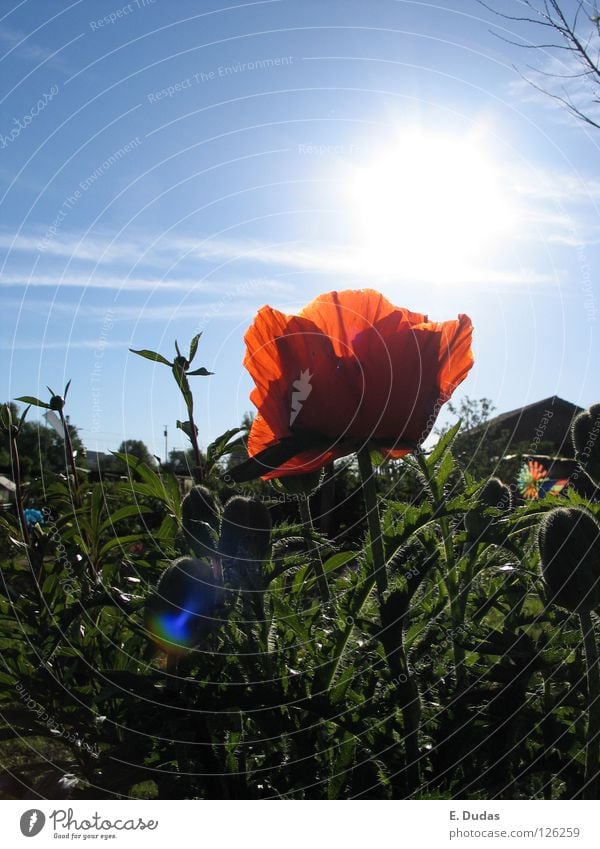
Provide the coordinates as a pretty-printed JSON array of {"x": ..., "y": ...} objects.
[{"x": 283, "y": 695}]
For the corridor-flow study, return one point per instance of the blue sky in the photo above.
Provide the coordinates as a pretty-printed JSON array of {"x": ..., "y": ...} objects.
[{"x": 167, "y": 168}]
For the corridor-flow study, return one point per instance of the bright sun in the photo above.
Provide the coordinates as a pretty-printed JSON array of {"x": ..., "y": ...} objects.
[{"x": 429, "y": 207}]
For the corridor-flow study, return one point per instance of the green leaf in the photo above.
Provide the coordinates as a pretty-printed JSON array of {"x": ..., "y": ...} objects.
[
  {"x": 217, "y": 448},
  {"x": 123, "y": 513},
  {"x": 200, "y": 371},
  {"x": 164, "y": 487},
  {"x": 338, "y": 691},
  {"x": 445, "y": 469},
  {"x": 342, "y": 766},
  {"x": 168, "y": 529},
  {"x": 289, "y": 619},
  {"x": 184, "y": 386},
  {"x": 5, "y": 417},
  {"x": 443, "y": 444},
  {"x": 194, "y": 347},
  {"x": 186, "y": 427},
  {"x": 23, "y": 416},
  {"x": 152, "y": 355},
  {"x": 119, "y": 542},
  {"x": 66, "y": 391},
  {"x": 336, "y": 561},
  {"x": 33, "y": 402}
]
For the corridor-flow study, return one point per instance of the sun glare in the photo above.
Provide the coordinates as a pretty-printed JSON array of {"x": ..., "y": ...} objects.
[{"x": 430, "y": 207}]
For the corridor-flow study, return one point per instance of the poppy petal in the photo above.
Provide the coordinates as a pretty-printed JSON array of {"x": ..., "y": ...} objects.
[
  {"x": 456, "y": 356},
  {"x": 350, "y": 369},
  {"x": 343, "y": 315}
]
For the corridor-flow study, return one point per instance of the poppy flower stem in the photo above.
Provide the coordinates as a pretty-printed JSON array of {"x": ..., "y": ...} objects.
[
  {"x": 307, "y": 531},
  {"x": 451, "y": 579},
  {"x": 391, "y": 636},
  {"x": 368, "y": 486},
  {"x": 592, "y": 752}
]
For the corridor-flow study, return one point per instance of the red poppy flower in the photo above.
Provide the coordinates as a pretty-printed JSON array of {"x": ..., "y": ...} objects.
[{"x": 350, "y": 369}]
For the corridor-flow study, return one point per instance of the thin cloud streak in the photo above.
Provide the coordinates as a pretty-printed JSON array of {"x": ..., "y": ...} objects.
[
  {"x": 41, "y": 345},
  {"x": 328, "y": 260},
  {"x": 123, "y": 283},
  {"x": 227, "y": 308}
]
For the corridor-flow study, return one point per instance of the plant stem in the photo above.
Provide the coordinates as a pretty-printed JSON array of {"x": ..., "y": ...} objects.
[
  {"x": 307, "y": 532},
  {"x": 197, "y": 473},
  {"x": 69, "y": 450},
  {"x": 395, "y": 654},
  {"x": 370, "y": 494},
  {"x": 411, "y": 716},
  {"x": 592, "y": 752},
  {"x": 451, "y": 578},
  {"x": 16, "y": 469},
  {"x": 327, "y": 498}
]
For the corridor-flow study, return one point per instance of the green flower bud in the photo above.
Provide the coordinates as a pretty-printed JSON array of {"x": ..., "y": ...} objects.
[
  {"x": 57, "y": 403},
  {"x": 496, "y": 494},
  {"x": 569, "y": 543},
  {"x": 181, "y": 611},
  {"x": 245, "y": 529},
  {"x": 493, "y": 494},
  {"x": 585, "y": 433},
  {"x": 201, "y": 517}
]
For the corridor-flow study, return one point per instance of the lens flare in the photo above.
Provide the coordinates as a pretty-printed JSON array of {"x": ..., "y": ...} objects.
[{"x": 181, "y": 612}]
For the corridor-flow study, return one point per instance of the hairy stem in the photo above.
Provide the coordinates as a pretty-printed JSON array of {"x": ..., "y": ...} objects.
[
  {"x": 392, "y": 635},
  {"x": 374, "y": 524},
  {"x": 315, "y": 555},
  {"x": 592, "y": 752},
  {"x": 456, "y": 597}
]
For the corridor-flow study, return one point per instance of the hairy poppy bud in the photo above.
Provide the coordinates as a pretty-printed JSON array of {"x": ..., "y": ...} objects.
[
  {"x": 245, "y": 529},
  {"x": 585, "y": 433},
  {"x": 493, "y": 494},
  {"x": 57, "y": 403},
  {"x": 569, "y": 543},
  {"x": 496, "y": 494},
  {"x": 201, "y": 518},
  {"x": 180, "y": 613}
]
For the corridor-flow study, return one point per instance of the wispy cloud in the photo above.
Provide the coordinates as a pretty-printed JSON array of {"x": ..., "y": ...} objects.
[
  {"x": 173, "y": 311},
  {"x": 21, "y": 45},
  {"x": 288, "y": 258},
  {"x": 41, "y": 345},
  {"x": 549, "y": 205},
  {"x": 90, "y": 280}
]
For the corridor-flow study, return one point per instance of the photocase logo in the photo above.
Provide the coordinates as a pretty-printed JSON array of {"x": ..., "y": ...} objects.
[
  {"x": 302, "y": 390},
  {"x": 32, "y": 822}
]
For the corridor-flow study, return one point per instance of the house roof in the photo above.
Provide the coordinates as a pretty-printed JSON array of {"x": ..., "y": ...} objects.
[
  {"x": 95, "y": 458},
  {"x": 545, "y": 421}
]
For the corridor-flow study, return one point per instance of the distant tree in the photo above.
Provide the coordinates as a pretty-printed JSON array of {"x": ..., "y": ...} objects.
[
  {"x": 473, "y": 412},
  {"x": 137, "y": 448},
  {"x": 180, "y": 462},
  {"x": 476, "y": 450},
  {"x": 571, "y": 34},
  {"x": 41, "y": 449}
]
